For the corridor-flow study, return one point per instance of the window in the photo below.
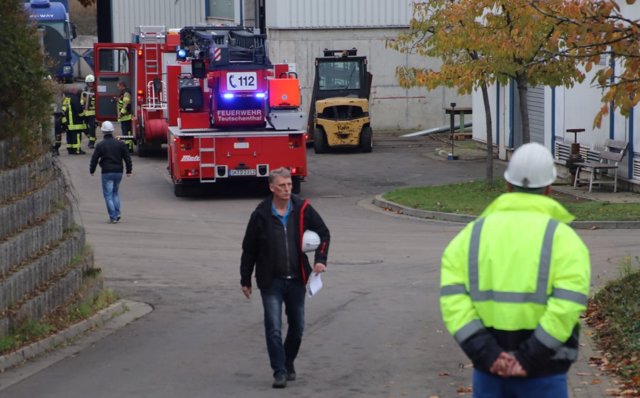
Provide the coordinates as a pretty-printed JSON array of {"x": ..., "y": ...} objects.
[
  {"x": 339, "y": 75},
  {"x": 114, "y": 60},
  {"x": 221, "y": 9}
]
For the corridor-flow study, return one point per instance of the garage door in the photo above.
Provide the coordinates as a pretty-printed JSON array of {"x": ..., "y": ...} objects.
[{"x": 535, "y": 106}]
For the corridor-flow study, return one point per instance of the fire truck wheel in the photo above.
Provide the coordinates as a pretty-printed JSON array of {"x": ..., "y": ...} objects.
[
  {"x": 179, "y": 190},
  {"x": 296, "y": 184},
  {"x": 319, "y": 140},
  {"x": 143, "y": 152},
  {"x": 366, "y": 139}
]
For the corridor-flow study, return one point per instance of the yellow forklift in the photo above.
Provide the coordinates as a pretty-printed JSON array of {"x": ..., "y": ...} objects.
[{"x": 339, "y": 109}]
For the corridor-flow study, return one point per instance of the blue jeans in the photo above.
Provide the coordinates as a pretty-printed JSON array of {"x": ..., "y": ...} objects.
[
  {"x": 291, "y": 292},
  {"x": 110, "y": 184},
  {"x": 487, "y": 385}
]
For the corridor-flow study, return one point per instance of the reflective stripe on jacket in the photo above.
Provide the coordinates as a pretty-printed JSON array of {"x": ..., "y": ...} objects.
[{"x": 521, "y": 274}]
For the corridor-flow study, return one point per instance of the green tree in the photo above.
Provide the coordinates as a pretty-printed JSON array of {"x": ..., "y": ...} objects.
[
  {"x": 481, "y": 42},
  {"x": 25, "y": 103}
]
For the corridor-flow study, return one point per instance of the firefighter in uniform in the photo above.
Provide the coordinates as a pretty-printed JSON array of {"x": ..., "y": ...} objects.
[
  {"x": 72, "y": 121},
  {"x": 514, "y": 283},
  {"x": 88, "y": 102},
  {"x": 124, "y": 114}
]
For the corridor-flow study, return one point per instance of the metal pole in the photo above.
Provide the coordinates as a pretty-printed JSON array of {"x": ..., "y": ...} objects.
[{"x": 453, "y": 115}]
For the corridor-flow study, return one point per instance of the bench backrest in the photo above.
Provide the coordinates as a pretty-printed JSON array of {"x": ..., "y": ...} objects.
[{"x": 614, "y": 151}]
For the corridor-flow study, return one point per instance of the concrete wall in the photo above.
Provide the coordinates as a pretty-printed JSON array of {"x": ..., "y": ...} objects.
[
  {"x": 43, "y": 257},
  {"x": 392, "y": 107}
]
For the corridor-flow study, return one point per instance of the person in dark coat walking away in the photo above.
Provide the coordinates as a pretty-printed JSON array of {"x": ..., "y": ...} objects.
[
  {"x": 273, "y": 246},
  {"x": 110, "y": 153}
]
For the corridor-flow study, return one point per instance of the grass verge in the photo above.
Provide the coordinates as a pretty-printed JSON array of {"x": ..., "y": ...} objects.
[
  {"x": 65, "y": 316},
  {"x": 614, "y": 315},
  {"x": 473, "y": 197}
]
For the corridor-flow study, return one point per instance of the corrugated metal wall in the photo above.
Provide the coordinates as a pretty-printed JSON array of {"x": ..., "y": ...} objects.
[
  {"x": 315, "y": 14},
  {"x": 128, "y": 14}
]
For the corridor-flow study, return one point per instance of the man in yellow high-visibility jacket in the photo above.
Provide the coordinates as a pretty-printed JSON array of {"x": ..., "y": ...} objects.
[{"x": 514, "y": 283}]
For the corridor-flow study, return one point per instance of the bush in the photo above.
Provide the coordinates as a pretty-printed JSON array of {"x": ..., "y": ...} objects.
[
  {"x": 614, "y": 313},
  {"x": 26, "y": 100}
]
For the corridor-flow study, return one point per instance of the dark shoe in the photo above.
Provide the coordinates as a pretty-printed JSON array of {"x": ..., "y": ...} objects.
[
  {"x": 279, "y": 381},
  {"x": 118, "y": 218},
  {"x": 291, "y": 372},
  {"x": 81, "y": 152}
]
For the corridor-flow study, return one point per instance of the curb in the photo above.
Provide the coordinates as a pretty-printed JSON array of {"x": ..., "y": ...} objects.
[
  {"x": 122, "y": 309},
  {"x": 379, "y": 201}
]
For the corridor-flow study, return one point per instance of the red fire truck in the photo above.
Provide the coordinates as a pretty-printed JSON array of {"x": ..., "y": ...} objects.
[{"x": 212, "y": 95}]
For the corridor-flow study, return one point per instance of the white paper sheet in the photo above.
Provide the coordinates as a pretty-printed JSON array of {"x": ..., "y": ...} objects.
[{"x": 315, "y": 284}]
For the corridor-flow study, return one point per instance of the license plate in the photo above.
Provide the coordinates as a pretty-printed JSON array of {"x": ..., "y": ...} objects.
[{"x": 242, "y": 172}]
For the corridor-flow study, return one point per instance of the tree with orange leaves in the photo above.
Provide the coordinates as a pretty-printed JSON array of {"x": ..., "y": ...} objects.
[
  {"x": 594, "y": 29},
  {"x": 481, "y": 42}
]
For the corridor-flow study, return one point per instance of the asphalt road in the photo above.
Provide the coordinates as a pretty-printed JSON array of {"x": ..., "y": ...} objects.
[{"x": 373, "y": 331}]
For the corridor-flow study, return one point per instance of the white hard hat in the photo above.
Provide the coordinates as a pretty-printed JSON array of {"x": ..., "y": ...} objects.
[
  {"x": 310, "y": 241},
  {"x": 89, "y": 79},
  {"x": 107, "y": 127},
  {"x": 531, "y": 166}
]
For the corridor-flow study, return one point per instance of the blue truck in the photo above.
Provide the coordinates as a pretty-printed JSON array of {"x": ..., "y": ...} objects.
[{"x": 52, "y": 17}]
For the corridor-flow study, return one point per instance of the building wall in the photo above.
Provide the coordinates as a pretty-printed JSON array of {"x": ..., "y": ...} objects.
[
  {"x": 392, "y": 107},
  {"x": 308, "y": 14},
  {"x": 128, "y": 14},
  {"x": 299, "y": 30}
]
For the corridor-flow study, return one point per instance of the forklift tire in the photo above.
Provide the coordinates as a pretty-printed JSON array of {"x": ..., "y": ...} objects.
[
  {"x": 366, "y": 139},
  {"x": 295, "y": 188},
  {"x": 319, "y": 141}
]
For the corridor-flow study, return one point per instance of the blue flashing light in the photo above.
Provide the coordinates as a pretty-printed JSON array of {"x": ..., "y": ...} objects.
[
  {"x": 260, "y": 95},
  {"x": 182, "y": 53},
  {"x": 227, "y": 96}
]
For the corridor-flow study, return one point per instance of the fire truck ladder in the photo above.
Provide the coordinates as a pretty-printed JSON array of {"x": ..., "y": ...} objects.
[
  {"x": 152, "y": 38},
  {"x": 207, "y": 148}
]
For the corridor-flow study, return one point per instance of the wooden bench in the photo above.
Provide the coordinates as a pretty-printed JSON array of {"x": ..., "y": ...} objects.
[{"x": 609, "y": 159}]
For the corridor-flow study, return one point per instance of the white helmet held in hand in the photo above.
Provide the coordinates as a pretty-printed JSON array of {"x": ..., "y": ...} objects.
[
  {"x": 107, "y": 127},
  {"x": 310, "y": 241},
  {"x": 531, "y": 166},
  {"x": 89, "y": 79}
]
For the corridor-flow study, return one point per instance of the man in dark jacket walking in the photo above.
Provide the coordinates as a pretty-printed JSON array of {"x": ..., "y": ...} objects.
[
  {"x": 110, "y": 153},
  {"x": 273, "y": 245}
]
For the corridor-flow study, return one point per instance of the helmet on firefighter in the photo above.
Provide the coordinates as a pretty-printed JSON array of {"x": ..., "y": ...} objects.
[
  {"x": 310, "y": 241},
  {"x": 531, "y": 166},
  {"x": 107, "y": 127},
  {"x": 89, "y": 79}
]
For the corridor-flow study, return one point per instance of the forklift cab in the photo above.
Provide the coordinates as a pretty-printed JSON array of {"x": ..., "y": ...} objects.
[{"x": 339, "y": 114}]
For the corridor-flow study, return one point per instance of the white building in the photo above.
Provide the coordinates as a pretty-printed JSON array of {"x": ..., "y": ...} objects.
[
  {"x": 298, "y": 31},
  {"x": 554, "y": 110}
]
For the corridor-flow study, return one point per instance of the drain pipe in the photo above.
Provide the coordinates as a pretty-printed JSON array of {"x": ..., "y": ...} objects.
[{"x": 436, "y": 130}]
